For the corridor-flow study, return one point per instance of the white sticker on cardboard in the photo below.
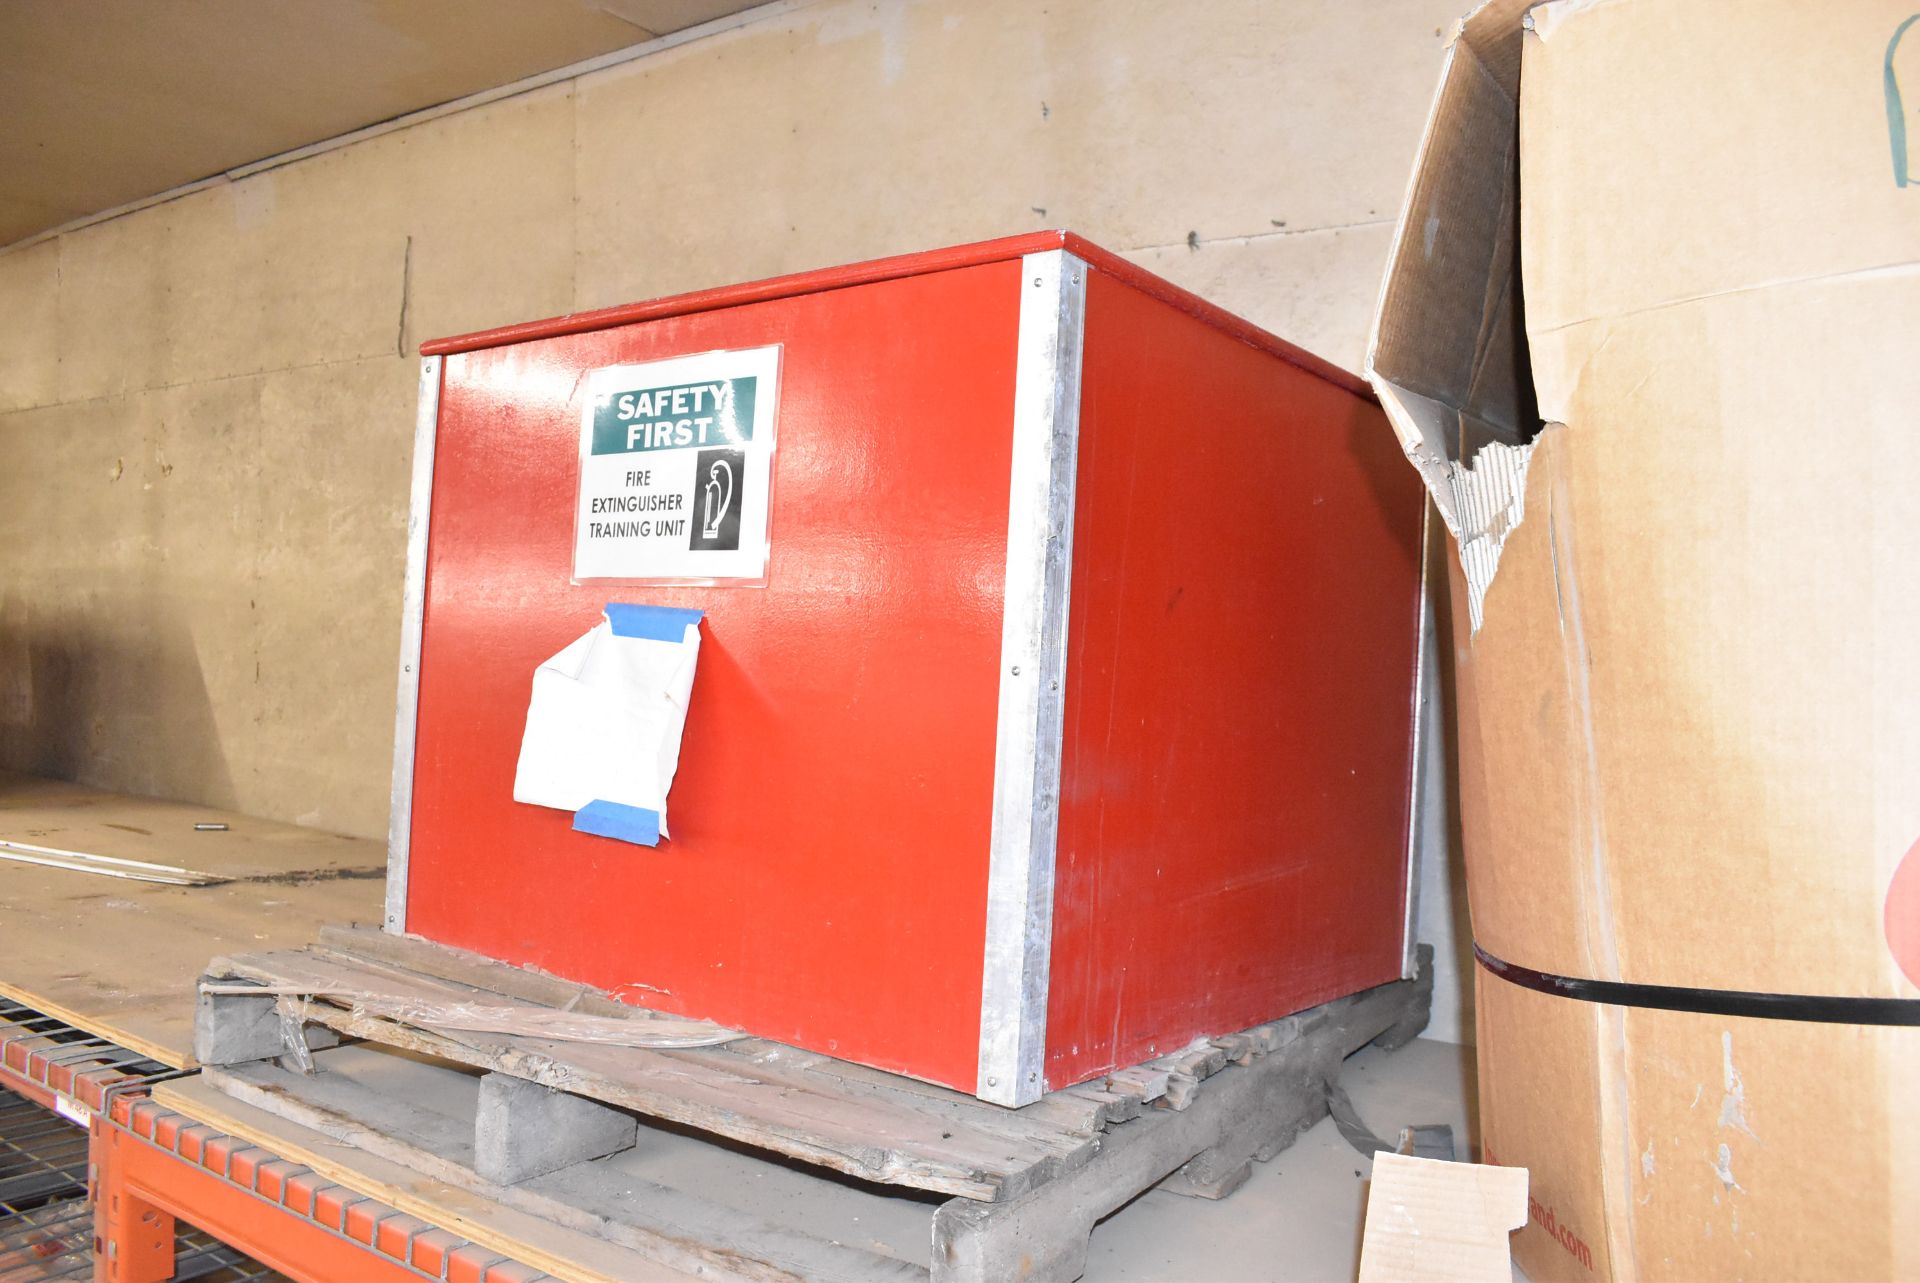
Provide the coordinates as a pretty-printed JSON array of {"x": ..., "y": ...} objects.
[{"x": 676, "y": 469}]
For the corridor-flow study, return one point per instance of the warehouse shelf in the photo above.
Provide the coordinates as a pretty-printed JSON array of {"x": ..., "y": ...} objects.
[
  {"x": 76, "y": 1169},
  {"x": 47, "y": 1218}
]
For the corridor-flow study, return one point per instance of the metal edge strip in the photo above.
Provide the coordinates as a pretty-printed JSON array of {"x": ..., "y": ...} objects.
[
  {"x": 1033, "y": 663},
  {"x": 1422, "y": 731},
  {"x": 412, "y": 617}
]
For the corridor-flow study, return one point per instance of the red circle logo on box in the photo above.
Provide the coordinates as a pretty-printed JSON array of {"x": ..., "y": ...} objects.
[{"x": 1903, "y": 914}]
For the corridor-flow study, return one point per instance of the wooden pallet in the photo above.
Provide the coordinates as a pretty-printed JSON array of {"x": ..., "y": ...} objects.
[{"x": 1026, "y": 1185}]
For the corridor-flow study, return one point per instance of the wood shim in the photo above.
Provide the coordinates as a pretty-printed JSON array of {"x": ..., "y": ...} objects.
[{"x": 1435, "y": 1222}]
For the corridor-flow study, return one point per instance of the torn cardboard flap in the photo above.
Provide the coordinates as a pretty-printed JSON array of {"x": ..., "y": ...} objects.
[
  {"x": 1447, "y": 354},
  {"x": 1464, "y": 359},
  {"x": 1430, "y": 1221}
]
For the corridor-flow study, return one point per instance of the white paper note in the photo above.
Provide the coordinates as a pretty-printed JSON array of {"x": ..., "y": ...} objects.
[{"x": 607, "y": 712}]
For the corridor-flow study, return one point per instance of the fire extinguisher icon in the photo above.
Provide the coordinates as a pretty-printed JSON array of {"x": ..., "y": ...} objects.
[{"x": 718, "y": 498}]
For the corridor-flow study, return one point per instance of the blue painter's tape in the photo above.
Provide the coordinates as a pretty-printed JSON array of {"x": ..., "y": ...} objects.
[
  {"x": 635, "y": 824},
  {"x": 654, "y": 623}
]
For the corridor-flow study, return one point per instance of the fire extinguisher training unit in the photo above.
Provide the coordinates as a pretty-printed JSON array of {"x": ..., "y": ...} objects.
[{"x": 1039, "y": 645}]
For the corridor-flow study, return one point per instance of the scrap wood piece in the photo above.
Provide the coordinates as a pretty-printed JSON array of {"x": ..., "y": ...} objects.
[
  {"x": 1110, "y": 1107},
  {"x": 1200, "y": 1060},
  {"x": 1435, "y": 1222},
  {"x": 1239, "y": 1048},
  {"x": 1181, "y": 1089},
  {"x": 1139, "y": 1081},
  {"x": 1271, "y": 1037}
]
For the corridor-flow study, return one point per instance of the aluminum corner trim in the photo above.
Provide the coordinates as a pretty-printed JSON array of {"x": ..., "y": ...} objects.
[
  {"x": 1033, "y": 664},
  {"x": 1422, "y": 734},
  {"x": 412, "y": 614}
]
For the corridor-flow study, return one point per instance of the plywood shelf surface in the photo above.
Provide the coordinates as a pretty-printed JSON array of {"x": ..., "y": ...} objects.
[{"x": 119, "y": 958}]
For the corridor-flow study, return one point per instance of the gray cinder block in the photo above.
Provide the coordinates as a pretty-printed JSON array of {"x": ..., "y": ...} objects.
[{"x": 525, "y": 1130}]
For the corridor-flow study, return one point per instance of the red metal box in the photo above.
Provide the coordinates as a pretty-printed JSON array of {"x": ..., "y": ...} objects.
[{"x": 1073, "y": 716}]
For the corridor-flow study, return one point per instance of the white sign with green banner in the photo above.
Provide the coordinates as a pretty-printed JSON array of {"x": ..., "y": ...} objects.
[{"x": 676, "y": 466}]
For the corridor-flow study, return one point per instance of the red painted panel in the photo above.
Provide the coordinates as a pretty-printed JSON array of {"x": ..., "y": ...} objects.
[
  {"x": 886, "y": 269},
  {"x": 1243, "y": 623},
  {"x": 825, "y": 882}
]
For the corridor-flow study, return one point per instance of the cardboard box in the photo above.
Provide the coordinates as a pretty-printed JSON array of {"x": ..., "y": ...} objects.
[{"x": 1682, "y": 235}]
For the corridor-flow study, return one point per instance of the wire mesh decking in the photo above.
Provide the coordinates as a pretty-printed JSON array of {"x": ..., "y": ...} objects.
[{"x": 46, "y": 1217}]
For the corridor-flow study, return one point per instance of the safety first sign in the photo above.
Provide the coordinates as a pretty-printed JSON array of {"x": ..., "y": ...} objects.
[{"x": 676, "y": 466}]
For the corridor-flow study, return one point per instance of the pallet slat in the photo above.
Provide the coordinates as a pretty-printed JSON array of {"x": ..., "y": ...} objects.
[{"x": 875, "y": 1133}]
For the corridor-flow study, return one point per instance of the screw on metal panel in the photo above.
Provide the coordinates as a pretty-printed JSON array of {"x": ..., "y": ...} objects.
[
  {"x": 1036, "y": 282},
  {"x": 993, "y": 1082},
  {"x": 1076, "y": 278},
  {"x": 1016, "y": 670}
]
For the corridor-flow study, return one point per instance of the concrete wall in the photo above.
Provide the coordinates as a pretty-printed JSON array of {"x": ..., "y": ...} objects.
[{"x": 206, "y": 406}]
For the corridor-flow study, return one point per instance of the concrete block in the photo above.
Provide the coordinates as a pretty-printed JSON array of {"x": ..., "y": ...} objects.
[
  {"x": 525, "y": 1130},
  {"x": 231, "y": 1029}
]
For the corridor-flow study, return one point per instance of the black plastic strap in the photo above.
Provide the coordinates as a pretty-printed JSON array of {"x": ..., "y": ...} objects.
[{"x": 1712, "y": 1002}]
